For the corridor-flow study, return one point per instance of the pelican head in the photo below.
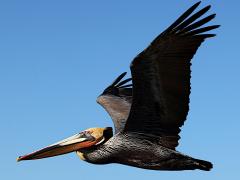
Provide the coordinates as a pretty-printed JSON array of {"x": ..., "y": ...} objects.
[{"x": 87, "y": 139}]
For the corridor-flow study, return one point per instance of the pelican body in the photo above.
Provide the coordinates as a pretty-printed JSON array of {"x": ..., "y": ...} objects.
[
  {"x": 134, "y": 150},
  {"x": 148, "y": 113}
]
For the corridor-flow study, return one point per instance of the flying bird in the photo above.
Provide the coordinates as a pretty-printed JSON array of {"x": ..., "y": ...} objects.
[{"x": 149, "y": 108}]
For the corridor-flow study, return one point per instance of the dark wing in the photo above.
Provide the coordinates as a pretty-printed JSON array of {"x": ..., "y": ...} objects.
[
  {"x": 161, "y": 78},
  {"x": 116, "y": 100}
]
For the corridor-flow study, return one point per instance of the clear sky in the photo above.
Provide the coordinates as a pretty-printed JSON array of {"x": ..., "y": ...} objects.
[{"x": 57, "y": 56}]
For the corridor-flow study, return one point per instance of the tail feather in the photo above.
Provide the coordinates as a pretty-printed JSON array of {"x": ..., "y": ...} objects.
[{"x": 203, "y": 165}]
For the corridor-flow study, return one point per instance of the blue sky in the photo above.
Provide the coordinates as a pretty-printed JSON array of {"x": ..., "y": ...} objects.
[{"x": 57, "y": 56}]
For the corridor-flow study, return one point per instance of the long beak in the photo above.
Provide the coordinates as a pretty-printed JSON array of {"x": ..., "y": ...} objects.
[{"x": 68, "y": 145}]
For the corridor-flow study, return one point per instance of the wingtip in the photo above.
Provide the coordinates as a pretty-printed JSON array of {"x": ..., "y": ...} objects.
[
  {"x": 118, "y": 78},
  {"x": 197, "y": 3},
  {"x": 205, "y": 9},
  {"x": 215, "y": 26},
  {"x": 181, "y": 19},
  {"x": 208, "y": 6},
  {"x": 123, "y": 74},
  {"x": 126, "y": 86},
  {"x": 213, "y": 15},
  {"x": 121, "y": 83},
  {"x": 208, "y": 35}
]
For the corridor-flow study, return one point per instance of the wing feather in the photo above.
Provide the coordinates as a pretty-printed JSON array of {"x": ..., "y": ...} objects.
[
  {"x": 161, "y": 78},
  {"x": 116, "y": 100}
]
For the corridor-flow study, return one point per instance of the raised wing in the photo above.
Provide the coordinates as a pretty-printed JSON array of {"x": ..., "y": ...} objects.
[
  {"x": 116, "y": 100},
  {"x": 161, "y": 78}
]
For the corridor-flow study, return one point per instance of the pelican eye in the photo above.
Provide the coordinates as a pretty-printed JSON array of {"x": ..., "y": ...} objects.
[{"x": 87, "y": 135}]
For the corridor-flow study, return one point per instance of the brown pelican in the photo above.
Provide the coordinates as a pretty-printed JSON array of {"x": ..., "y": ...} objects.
[{"x": 148, "y": 113}]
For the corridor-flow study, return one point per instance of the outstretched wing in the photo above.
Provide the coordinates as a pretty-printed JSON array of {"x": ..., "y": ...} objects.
[
  {"x": 161, "y": 78},
  {"x": 116, "y": 99}
]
